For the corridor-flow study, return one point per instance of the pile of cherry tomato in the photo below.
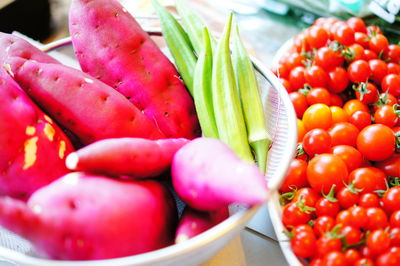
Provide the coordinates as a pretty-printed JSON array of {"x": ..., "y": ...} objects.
[{"x": 341, "y": 195}]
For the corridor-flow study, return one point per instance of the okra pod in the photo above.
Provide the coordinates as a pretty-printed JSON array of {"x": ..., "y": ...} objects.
[
  {"x": 253, "y": 109},
  {"x": 178, "y": 44},
  {"x": 193, "y": 25},
  {"x": 227, "y": 107},
  {"x": 202, "y": 89}
]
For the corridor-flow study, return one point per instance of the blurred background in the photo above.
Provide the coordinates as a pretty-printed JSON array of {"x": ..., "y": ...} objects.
[{"x": 265, "y": 24}]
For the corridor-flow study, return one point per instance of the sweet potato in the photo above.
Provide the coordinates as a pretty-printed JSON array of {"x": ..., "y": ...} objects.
[
  {"x": 33, "y": 147},
  {"x": 89, "y": 108},
  {"x": 111, "y": 46},
  {"x": 11, "y": 45},
  {"x": 195, "y": 222},
  {"x": 134, "y": 157},
  {"x": 208, "y": 175},
  {"x": 87, "y": 217}
]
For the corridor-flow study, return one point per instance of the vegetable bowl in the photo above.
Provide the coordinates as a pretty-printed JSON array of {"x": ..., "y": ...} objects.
[{"x": 281, "y": 124}]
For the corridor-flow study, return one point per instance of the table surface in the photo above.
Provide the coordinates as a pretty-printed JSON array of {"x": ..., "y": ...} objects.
[{"x": 264, "y": 33}]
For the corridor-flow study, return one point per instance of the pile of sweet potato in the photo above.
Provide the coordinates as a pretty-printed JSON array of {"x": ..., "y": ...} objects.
[{"x": 83, "y": 152}]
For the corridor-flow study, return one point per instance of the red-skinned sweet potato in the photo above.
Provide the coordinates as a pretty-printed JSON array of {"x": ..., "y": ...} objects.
[
  {"x": 208, "y": 175},
  {"x": 133, "y": 157},
  {"x": 89, "y": 108},
  {"x": 33, "y": 147},
  {"x": 87, "y": 217},
  {"x": 111, "y": 46}
]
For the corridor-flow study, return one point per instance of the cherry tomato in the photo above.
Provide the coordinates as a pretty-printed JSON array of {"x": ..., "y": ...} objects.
[
  {"x": 391, "y": 83},
  {"x": 344, "y": 35},
  {"x": 391, "y": 199},
  {"x": 364, "y": 262},
  {"x": 316, "y": 76},
  {"x": 316, "y": 37},
  {"x": 281, "y": 71},
  {"x": 395, "y": 219},
  {"x": 362, "y": 39},
  {"x": 354, "y": 105},
  {"x": 360, "y": 119},
  {"x": 343, "y": 133},
  {"x": 317, "y": 116},
  {"x": 307, "y": 195},
  {"x": 356, "y": 52},
  {"x": 357, "y": 24},
  {"x": 296, "y": 78},
  {"x": 323, "y": 224},
  {"x": 377, "y": 219},
  {"x": 350, "y": 156},
  {"x": 300, "y": 44},
  {"x": 370, "y": 55},
  {"x": 347, "y": 198},
  {"x": 344, "y": 217},
  {"x": 325, "y": 170},
  {"x": 393, "y": 68},
  {"x": 359, "y": 71},
  {"x": 316, "y": 141},
  {"x": 326, "y": 58},
  {"x": 393, "y": 53},
  {"x": 294, "y": 60},
  {"x": 334, "y": 258},
  {"x": 367, "y": 93},
  {"x": 337, "y": 79},
  {"x": 378, "y": 43},
  {"x": 326, "y": 244},
  {"x": 293, "y": 214},
  {"x": 376, "y": 142},
  {"x": 303, "y": 244},
  {"x": 388, "y": 259},
  {"x": 373, "y": 30},
  {"x": 327, "y": 207},
  {"x": 394, "y": 234},
  {"x": 391, "y": 166},
  {"x": 299, "y": 102},
  {"x": 369, "y": 179},
  {"x": 296, "y": 175},
  {"x": 318, "y": 95},
  {"x": 378, "y": 68},
  {"x": 338, "y": 115},
  {"x": 386, "y": 115},
  {"x": 286, "y": 84},
  {"x": 378, "y": 241},
  {"x": 352, "y": 235},
  {"x": 351, "y": 255},
  {"x": 359, "y": 216},
  {"x": 368, "y": 200}
]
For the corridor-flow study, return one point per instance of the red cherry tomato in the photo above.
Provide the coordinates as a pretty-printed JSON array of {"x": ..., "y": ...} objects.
[
  {"x": 325, "y": 170},
  {"x": 344, "y": 35},
  {"x": 316, "y": 37},
  {"x": 368, "y": 200},
  {"x": 391, "y": 83},
  {"x": 319, "y": 95},
  {"x": 360, "y": 119},
  {"x": 362, "y": 39},
  {"x": 369, "y": 179},
  {"x": 379, "y": 43},
  {"x": 296, "y": 78},
  {"x": 304, "y": 244},
  {"x": 367, "y": 93},
  {"x": 316, "y": 76},
  {"x": 323, "y": 224},
  {"x": 357, "y": 24},
  {"x": 326, "y": 58},
  {"x": 376, "y": 142},
  {"x": 377, "y": 219},
  {"x": 386, "y": 115},
  {"x": 359, "y": 71},
  {"x": 347, "y": 198},
  {"x": 299, "y": 102},
  {"x": 378, "y": 68},
  {"x": 393, "y": 68},
  {"x": 391, "y": 199},
  {"x": 296, "y": 176},
  {"x": 351, "y": 255},
  {"x": 337, "y": 80},
  {"x": 393, "y": 53},
  {"x": 316, "y": 141},
  {"x": 352, "y": 235},
  {"x": 378, "y": 241},
  {"x": 343, "y": 133}
]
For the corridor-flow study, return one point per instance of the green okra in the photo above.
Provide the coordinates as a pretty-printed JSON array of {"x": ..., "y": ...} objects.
[
  {"x": 202, "y": 89},
  {"x": 253, "y": 109},
  {"x": 227, "y": 107},
  {"x": 193, "y": 25},
  {"x": 178, "y": 44}
]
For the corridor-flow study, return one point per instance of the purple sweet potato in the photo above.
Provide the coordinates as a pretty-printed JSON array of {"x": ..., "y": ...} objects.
[
  {"x": 89, "y": 108},
  {"x": 208, "y": 175},
  {"x": 134, "y": 157},
  {"x": 33, "y": 147},
  {"x": 111, "y": 46},
  {"x": 11, "y": 45},
  {"x": 195, "y": 222},
  {"x": 87, "y": 217}
]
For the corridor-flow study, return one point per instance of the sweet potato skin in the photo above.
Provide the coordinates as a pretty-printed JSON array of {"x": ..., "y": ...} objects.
[
  {"x": 14, "y": 46},
  {"x": 208, "y": 175},
  {"x": 131, "y": 157},
  {"x": 89, "y": 108},
  {"x": 33, "y": 147},
  {"x": 111, "y": 46},
  {"x": 89, "y": 217}
]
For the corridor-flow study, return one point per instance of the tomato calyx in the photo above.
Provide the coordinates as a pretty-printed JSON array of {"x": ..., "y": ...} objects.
[
  {"x": 300, "y": 150},
  {"x": 396, "y": 109},
  {"x": 305, "y": 90},
  {"x": 352, "y": 188},
  {"x": 331, "y": 195},
  {"x": 301, "y": 205},
  {"x": 362, "y": 88},
  {"x": 382, "y": 100},
  {"x": 394, "y": 181},
  {"x": 288, "y": 196},
  {"x": 397, "y": 135},
  {"x": 334, "y": 233},
  {"x": 336, "y": 46},
  {"x": 348, "y": 54}
]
